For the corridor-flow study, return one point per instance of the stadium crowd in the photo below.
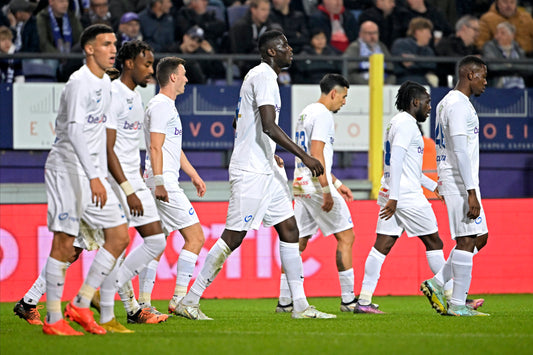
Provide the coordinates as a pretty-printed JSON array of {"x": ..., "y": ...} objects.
[{"x": 314, "y": 28}]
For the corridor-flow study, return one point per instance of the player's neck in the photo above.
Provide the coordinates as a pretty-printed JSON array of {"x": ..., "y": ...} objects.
[
  {"x": 95, "y": 68},
  {"x": 128, "y": 81},
  {"x": 169, "y": 92}
]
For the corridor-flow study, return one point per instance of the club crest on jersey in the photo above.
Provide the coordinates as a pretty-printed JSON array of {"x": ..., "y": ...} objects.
[
  {"x": 130, "y": 103},
  {"x": 98, "y": 95}
]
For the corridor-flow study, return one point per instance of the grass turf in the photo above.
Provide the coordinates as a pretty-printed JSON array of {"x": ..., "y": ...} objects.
[{"x": 251, "y": 326}]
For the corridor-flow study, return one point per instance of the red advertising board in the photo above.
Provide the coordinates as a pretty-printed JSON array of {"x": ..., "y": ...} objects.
[{"x": 253, "y": 270}]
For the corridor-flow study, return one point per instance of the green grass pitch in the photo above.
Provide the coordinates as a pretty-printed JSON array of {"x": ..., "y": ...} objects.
[{"x": 251, "y": 327}]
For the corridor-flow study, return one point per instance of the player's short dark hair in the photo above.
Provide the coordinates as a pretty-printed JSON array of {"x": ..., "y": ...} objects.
[
  {"x": 468, "y": 61},
  {"x": 330, "y": 81},
  {"x": 90, "y": 33},
  {"x": 266, "y": 39},
  {"x": 165, "y": 67},
  {"x": 131, "y": 49},
  {"x": 407, "y": 92}
]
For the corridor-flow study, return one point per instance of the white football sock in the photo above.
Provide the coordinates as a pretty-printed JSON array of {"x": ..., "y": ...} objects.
[
  {"x": 373, "y": 264},
  {"x": 462, "y": 276},
  {"x": 213, "y": 264},
  {"x": 127, "y": 296},
  {"x": 37, "y": 290},
  {"x": 445, "y": 273},
  {"x": 292, "y": 264},
  {"x": 346, "y": 280},
  {"x": 435, "y": 260},
  {"x": 138, "y": 259},
  {"x": 285, "y": 297},
  {"x": 147, "y": 282},
  {"x": 107, "y": 293},
  {"x": 55, "y": 281},
  {"x": 101, "y": 266},
  {"x": 186, "y": 263}
]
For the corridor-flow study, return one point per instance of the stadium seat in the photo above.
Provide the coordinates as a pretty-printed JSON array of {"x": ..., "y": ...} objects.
[
  {"x": 235, "y": 13},
  {"x": 219, "y": 12},
  {"x": 38, "y": 72}
]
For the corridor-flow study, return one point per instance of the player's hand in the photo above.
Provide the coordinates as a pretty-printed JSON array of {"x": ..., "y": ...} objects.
[
  {"x": 135, "y": 205},
  {"x": 313, "y": 164},
  {"x": 474, "y": 208},
  {"x": 200, "y": 186},
  {"x": 346, "y": 193},
  {"x": 328, "y": 202},
  {"x": 438, "y": 195},
  {"x": 388, "y": 211},
  {"x": 279, "y": 161},
  {"x": 161, "y": 193},
  {"x": 98, "y": 192}
]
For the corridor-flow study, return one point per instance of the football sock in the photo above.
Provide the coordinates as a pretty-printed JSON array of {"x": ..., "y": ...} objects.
[
  {"x": 285, "y": 297},
  {"x": 37, "y": 290},
  {"x": 186, "y": 263},
  {"x": 462, "y": 276},
  {"x": 147, "y": 282},
  {"x": 445, "y": 273},
  {"x": 435, "y": 260},
  {"x": 107, "y": 293},
  {"x": 213, "y": 264},
  {"x": 55, "y": 281},
  {"x": 101, "y": 266},
  {"x": 346, "y": 280},
  {"x": 373, "y": 264},
  {"x": 292, "y": 264},
  {"x": 127, "y": 296},
  {"x": 138, "y": 259}
]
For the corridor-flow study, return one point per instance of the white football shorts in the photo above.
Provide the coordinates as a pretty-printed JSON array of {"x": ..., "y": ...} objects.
[
  {"x": 144, "y": 194},
  {"x": 69, "y": 200},
  {"x": 460, "y": 224},
  {"x": 256, "y": 198},
  {"x": 177, "y": 213},
  {"x": 414, "y": 221},
  {"x": 310, "y": 216}
]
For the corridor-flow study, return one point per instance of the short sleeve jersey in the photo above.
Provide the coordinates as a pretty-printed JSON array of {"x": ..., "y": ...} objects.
[
  {"x": 85, "y": 99},
  {"x": 315, "y": 123},
  {"x": 161, "y": 116},
  {"x": 253, "y": 150},
  {"x": 404, "y": 133},
  {"x": 126, "y": 116},
  {"x": 456, "y": 116}
]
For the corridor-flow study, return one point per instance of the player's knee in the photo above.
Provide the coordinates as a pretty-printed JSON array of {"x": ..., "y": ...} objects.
[{"x": 155, "y": 244}]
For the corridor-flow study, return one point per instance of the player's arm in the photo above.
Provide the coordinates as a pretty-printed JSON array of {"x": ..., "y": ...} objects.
[
  {"x": 113, "y": 164},
  {"x": 317, "y": 151},
  {"x": 274, "y": 132},
  {"x": 396, "y": 166},
  {"x": 431, "y": 185},
  {"x": 196, "y": 180},
  {"x": 345, "y": 192},
  {"x": 156, "y": 160},
  {"x": 460, "y": 143}
]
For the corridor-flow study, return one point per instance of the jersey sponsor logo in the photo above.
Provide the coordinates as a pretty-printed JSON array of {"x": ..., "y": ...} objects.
[
  {"x": 420, "y": 150},
  {"x": 331, "y": 140},
  {"x": 479, "y": 220},
  {"x": 97, "y": 119},
  {"x": 177, "y": 131},
  {"x": 248, "y": 218},
  {"x": 476, "y": 130},
  {"x": 134, "y": 126},
  {"x": 191, "y": 211},
  {"x": 278, "y": 108}
]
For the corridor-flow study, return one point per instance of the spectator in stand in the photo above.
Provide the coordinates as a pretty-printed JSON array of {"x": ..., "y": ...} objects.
[
  {"x": 507, "y": 10},
  {"x": 245, "y": 33},
  {"x": 506, "y": 75},
  {"x": 199, "y": 71},
  {"x": 10, "y": 69},
  {"x": 367, "y": 44},
  {"x": 313, "y": 69},
  {"x": 98, "y": 13},
  {"x": 416, "y": 45},
  {"x": 418, "y": 8},
  {"x": 384, "y": 13},
  {"x": 460, "y": 44},
  {"x": 157, "y": 25},
  {"x": 292, "y": 22},
  {"x": 129, "y": 29},
  {"x": 447, "y": 7},
  {"x": 24, "y": 26},
  {"x": 195, "y": 13},
  {"x": 117, "y": 8},
  {"x": 59, "y": 29},
  {"x": 339, "y": 25}
]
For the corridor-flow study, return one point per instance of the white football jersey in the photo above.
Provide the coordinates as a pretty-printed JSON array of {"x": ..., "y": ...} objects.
[
  {"x": 253, "y": 150},
  {"x": 315, "y": 123},
  {"x": 126, "y": 116},
  {"x": 403, "y": 131},
  {"x": 455, "y": 116},
  {"x": 85, "y": 99},
  {"x": 161, "y": 116}
]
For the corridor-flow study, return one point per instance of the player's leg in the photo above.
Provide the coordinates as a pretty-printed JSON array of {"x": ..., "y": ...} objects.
[
  {"x": 285, "y": 298},
  {"x": 147, "y": 282},
  {"x": 373, "y": 264},
  {"x": 345, "y": 240}
]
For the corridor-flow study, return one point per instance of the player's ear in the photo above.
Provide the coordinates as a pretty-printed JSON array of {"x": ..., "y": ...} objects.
[
  {"x": 271, "y": 52},
  {"x": 129, "y": 63},
  {"x": 470, "y": 75}
]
